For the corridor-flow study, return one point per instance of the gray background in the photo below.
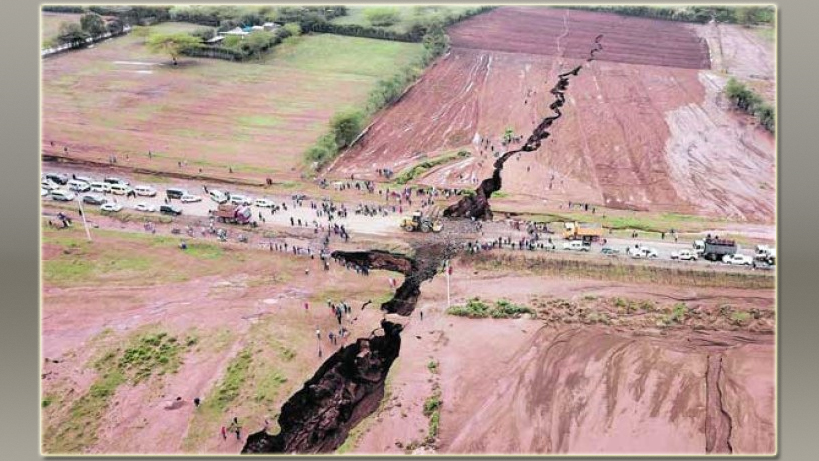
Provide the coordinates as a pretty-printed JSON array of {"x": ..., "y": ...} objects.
[{"x": 798, "y": 190}]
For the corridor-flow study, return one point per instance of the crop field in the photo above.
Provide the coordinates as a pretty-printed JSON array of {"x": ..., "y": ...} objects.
[
  {"x": 256, "y": 117},
  {"x": 633, "y": 136}
]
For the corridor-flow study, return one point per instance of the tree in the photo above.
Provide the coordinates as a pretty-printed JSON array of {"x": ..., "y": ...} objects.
[
  {"x": 435, "y": 41},
  {"x": 293, "y": 28},
  {"x": 346, "y": 126},
  {"x": 93, "y": 24},
  {"x": 71, "y": 32},
  {"x": 382, "y": 17},
  {"x": 256, "y": 42},
  {"x": 171, "y": 44}
]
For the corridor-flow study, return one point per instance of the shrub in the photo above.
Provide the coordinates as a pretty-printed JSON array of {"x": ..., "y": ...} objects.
[{"x": 382, "y": 16}]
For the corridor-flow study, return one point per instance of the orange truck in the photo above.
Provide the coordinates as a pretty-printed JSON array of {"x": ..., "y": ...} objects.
[{"x": 582, "y": 231}]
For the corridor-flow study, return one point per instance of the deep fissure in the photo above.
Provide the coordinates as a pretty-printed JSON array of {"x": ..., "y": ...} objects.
[{"x": 349, "y": 385}]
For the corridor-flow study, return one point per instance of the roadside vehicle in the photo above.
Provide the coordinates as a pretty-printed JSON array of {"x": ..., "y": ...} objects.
[
  {"x": 120, "y": 189},
  {"x": 84, "y": 179},
  {"x": 188, "y": 198},
  {"x": 549, "y": 246},
  {"x": 58, "y": 178},
  {"x": 738, "y": 260},
  {"x": 145, "y": 191},
  {"x": 217, "y": 196},
  {"x": 577, "y": 245},
  {"x": 147, "y": 207},
  {"x": 115, "y": 180},
  {"x": 641, "y": 252},
  {"x": 99, "y": 186},
  {"x": 263, "y": 203},
  {"x": 716, "y": 249},
  {"x": 233, "y": 214},
  {"x": 765, "y": 254},
  {"x": 93, "y": 199},
  {"x": 174, "y": 193},
  {"x": 170, "y": 209},
  {"x": 78, "y": 186},
  {"x": 238, "y": 199},
  {"x": 582, "y": 231},
  {"x": 608, "y": 251},
  {"x": 62, "y": 195},
  {"x": 684, "y": 255},
  {"x": 111, "y": 207},
  {"x": 48, "y": 185},
  {"x": 43, "y": 192}
]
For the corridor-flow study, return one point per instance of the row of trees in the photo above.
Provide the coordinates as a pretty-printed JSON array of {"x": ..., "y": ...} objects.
[
  {"x": 91, "y": 25},
  {"x": 751, "y": 103},
  {"x": 746, "y": 15}
]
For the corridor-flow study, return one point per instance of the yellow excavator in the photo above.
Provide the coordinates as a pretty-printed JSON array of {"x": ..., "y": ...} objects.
[{"x": 424, "y": 222}]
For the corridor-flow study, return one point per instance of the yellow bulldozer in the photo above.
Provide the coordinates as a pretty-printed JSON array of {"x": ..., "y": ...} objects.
[{"x": 424, "y": 222}]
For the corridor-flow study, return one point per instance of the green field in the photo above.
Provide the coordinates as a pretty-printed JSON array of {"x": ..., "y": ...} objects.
[
  {"x": 256, "y": 117},
  {"x": 355, "y": 15}
]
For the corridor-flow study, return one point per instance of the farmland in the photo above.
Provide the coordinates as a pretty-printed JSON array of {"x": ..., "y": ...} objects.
[{"x": 255, "y": 118}]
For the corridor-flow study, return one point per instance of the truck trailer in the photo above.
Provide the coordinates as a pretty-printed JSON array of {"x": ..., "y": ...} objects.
[{"x": 715, "y": 248}]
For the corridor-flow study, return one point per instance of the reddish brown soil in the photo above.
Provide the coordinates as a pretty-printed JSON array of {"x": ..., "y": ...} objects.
[
  {"x": 517, "y": 386},
  {"x": 632, "y": 136},
  {"x": 569, "y": 33}
]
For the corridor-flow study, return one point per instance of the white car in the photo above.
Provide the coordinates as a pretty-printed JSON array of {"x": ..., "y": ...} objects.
[
  {"x": 263, "y": 203},
  {"x": 48, "y": 185},
  {"x": 61, "y": 195},
  {"x": 641, "y": 252},
  {"x": 217, "y": 196},
  {"x": 43, "y": 192},
  {"x": 189, "y": 198},
  {"x": 113, "y": 207},
  {"x": 78, "y": 186},
  {"x": 99, "y": 186},
  {"x": 84, "y": 179},
  {"x": 147, "y": 207},
  {"x": 145, "y": 191},
  {"x": 684, "y": 255},
  {"x": 576, "y": 245},
  {"x": 240, "y": 199},
  {"x": 738, "y": 260}
]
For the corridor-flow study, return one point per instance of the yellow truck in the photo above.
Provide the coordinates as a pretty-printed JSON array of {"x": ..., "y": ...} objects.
[
  {"x": 582, "y": 231},
  {"x": 423, "y": 222}
]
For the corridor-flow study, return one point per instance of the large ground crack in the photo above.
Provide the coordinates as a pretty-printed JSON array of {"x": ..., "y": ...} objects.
[{"x": 718, "y": 424}]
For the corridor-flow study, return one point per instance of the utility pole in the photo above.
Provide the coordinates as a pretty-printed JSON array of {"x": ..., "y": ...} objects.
[{"x": 84, "y": 222}]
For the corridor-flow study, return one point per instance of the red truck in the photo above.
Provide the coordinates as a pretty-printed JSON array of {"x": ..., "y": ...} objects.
[{"x": 233, "y": 214}]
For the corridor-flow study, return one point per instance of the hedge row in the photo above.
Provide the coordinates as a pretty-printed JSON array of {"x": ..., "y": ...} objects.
[
  {"x": 63, "y": 9},
  {"x": 697, "y": 14},
  {"x": 236, "y": 54}
]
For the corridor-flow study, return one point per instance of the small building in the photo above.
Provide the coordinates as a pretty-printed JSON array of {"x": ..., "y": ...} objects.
[
  {"x": 269, "y": 26},
  {"x": 236, "y": 31},
  {"x": 215, "y": 40},
  {"x": 256, "y": 28}
]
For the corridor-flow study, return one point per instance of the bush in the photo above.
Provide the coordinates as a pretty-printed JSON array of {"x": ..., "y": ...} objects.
[
  {"x": 63, "y": 9},
  {"x": 382, "y": 17},
  {"x": 345, "y": 126},
  {"x": 751, "y": 103},
  {"x": 503, "y": 309}
]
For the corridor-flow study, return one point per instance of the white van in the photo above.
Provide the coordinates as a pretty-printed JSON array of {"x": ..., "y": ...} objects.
[
  {"x": 78, "y": 186},
  {"x": 120, "y": 189},
  {"x": 62, "y": 195},
  {"x": 146, "y": 191},
  {"x": 576, "y": 245},
  {"x": 217, "y": 196},
  {"x": 99, "y": 186}
]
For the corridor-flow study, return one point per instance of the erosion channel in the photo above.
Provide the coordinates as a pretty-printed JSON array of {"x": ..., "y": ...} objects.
[{"x": 349, "y": 385}]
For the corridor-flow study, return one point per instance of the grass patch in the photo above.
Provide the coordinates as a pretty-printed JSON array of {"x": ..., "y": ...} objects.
[
  {"x": 432, "y": 366},
  {"x": 422, "y": 168},
  {"x": 502, "y": 309},
  {"x": 432, "y": 410},
  {"x": 145, "y": 355},
  {"x": 269, "y": 386}
]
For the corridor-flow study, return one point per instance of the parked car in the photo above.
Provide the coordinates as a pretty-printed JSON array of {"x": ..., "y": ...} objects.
[
  {"x": 58, "y": 178},
  {"x": 145, "y": 191},
  {"x": 170, "y": 209},
  {"x": 111, "y": 207},
  {"x": 608, "y": 251},
  {"x": 48, "y": 185},
  {"x": 120, "y": 189},
  {"x": 577, "y": 245},
  {"x": 93, "y": 199},
  {"x": 115, "y": 180},
  {"x": 188, "y": 198},
  {"x": 78, "y": 186},
  {"x": 737, "y": 259},
  {"x": 62, "y": 195},
  {"x": 43, "y": 192},
  {"x": 174, "y": 193},
  {"x": 240, "y": 199},
  {"x": 263, "y": 203},
  {"x": 84, "y": 179},
  {"x": 147, "y": 207},
  {"x": 217, "y": 196},
  {"x": 684, "y": 255},
  {"x": 99, "y": 186}
]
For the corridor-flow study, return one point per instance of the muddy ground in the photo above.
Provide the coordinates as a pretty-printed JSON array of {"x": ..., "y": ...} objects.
[
  {"x": 641, "y": 135},
  {"x": 549, "y": 386}
]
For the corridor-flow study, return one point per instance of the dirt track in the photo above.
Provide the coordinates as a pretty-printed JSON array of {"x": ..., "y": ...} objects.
[{"x": 633, "y": 136}]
